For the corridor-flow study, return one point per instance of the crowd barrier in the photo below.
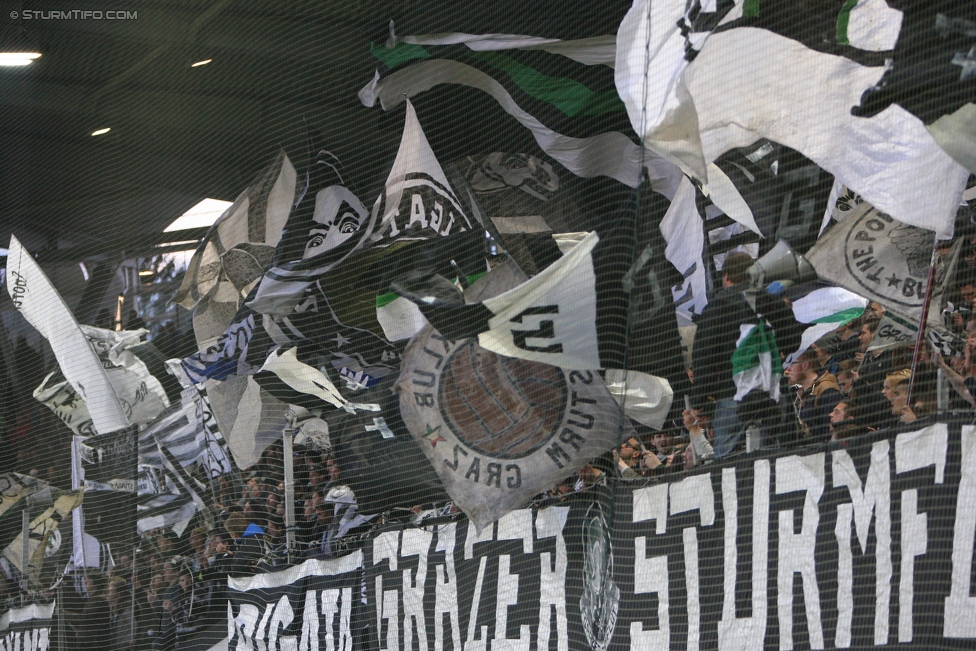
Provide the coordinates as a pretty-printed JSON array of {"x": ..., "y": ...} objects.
[{"x": 867, "y": 544}]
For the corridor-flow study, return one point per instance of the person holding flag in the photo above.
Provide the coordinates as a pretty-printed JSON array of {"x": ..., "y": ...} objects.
[{"x": 729, "y": 327}]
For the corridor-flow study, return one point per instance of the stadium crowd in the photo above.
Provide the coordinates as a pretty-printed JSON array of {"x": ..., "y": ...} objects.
[{"x": 159, "y": 594}]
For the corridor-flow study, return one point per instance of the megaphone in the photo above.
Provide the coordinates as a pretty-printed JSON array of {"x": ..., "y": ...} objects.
[{"x": 783, "y": 265}]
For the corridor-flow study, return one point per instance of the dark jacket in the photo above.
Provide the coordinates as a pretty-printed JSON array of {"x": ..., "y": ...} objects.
[
  {"x": 718, "y": 330},
  {"x": 817, "y": 403}
]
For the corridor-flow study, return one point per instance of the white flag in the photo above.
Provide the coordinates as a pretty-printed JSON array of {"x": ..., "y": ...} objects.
[
  {"x": 37, "y": 299},
  {"x": 877, "y": 257},
  {"x": 747, "y": 83}
]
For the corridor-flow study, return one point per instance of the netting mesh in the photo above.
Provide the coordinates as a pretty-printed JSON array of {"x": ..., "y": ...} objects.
[{"x": 560, "y": 326}]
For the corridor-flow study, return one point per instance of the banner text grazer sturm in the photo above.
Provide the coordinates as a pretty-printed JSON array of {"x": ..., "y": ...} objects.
[{"x": 864, "y": 546}]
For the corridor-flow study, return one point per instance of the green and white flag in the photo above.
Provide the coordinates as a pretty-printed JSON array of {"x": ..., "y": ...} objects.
[
  {"x": 824, "y": 310},
  {"x": 755, "y": 362},
  {"x": 700, "y": 79}
]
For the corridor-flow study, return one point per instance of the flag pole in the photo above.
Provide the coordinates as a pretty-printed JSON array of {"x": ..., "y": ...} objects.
[
  {"x": 25, "y": 551},
  {"x": 286, "y": 450},
  {"x": 919, "y": 341}
]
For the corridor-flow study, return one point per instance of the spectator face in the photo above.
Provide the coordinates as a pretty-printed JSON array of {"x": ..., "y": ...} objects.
[
  {"x": 253, "y": 488},
  {"x": 629, "y": 450},
  {"x": 845, "y": 381},
  {"x": 316, "y": 478},
  {"x": 272, "y": 502},
  {"x": 186, "y": 581},
  {"x": 897, "y": 398},
  {"x": 165, "y": 545},
  {"x": 838, "y": 414},
  {"x": 197, "y": 541},
  {"x": 822, "y": 357},
  {"x": 274, "y": 530},
  {"x": 169, "y": 574},
  {"x": 335, "y": 472},
  {"x": 958, "y": 364},
  {"x": 794, "y": 372},
  {"x": 865, "y": 338},
  {"x": 662, "y": 443},
  {"x": 968, "y": 293}
]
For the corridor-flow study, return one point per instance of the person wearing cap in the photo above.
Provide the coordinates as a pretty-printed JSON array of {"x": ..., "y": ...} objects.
[
  {"x": 346, "y": 520},
  {"x": 829, "y": 354},
  {"x": 716, "y": 341}
]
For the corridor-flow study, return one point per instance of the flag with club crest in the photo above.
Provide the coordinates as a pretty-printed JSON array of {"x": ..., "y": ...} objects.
[{"x": 499, "y": 430}]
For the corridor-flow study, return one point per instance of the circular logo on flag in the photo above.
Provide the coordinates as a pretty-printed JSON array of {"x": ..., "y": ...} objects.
[
  {"x": 503, "y": 407},
  {"x": 499, "y": 429},
  {"x": 888, "y": 258}
]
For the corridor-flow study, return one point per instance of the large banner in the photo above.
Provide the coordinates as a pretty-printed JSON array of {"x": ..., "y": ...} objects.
[
  {"x": 866, "y": 544},
  {"x": 29, "y": 628},
  {"x": 309, "y": 607}
]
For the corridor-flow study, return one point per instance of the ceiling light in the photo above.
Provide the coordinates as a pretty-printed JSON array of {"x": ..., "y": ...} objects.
[
  {"x": 13, "y": 59},
  {"x": 203, "y": 214},
  {"x": 147, "y": 272},
  {"x": 200, "y": 63},
  {"x": 98, "y": 132}
]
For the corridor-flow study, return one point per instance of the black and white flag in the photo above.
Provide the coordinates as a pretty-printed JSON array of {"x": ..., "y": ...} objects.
[
  {"x": 878, "y": 257},
  {"x": 551, "y": 318},
  {"x": 725, "y": 74},
  {"x": 499, "y": 430},
  {"x": 36, "y": 298},
  {"x": 237, "y": 249}
]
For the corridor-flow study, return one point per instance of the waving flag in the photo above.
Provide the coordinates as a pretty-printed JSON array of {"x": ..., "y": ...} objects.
[
  {"x": 561, "y": 91},
  {"x": 876, "y": 256},
  {"x": 698, "y": 82},
  {"x": 237, "y": 249},
  {"x": 499, "y": 430},
  {"x": 755, "y": 361},
  {"x": 931, "y": 75},
  {"x": 550, "y": 318},
  {"x": 43, "y": 525},
  {"x": 824, "y": 310},
  {"x": 37, "y": 299},
  {"x": 327, "y": 210}
]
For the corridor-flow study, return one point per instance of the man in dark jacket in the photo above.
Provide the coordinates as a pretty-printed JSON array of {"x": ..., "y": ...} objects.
[
  {"x": 715, "y": 341},
  {"x": 819, "y": 393}
]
